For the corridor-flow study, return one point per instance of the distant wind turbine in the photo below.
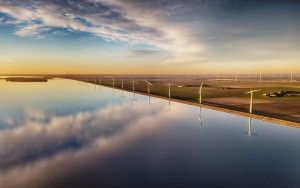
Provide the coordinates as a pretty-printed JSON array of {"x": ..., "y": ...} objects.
[
  {"x": 113, "y": 81},
  {"x": 122, "y": 87},
  {"x": 149, "y": 84},
  {"x": 260, "y": 77},
  {"x": 133, "y": 89},
  {"x": 251, "y": 98},
  {"x": 291, "y": 76},
  {"x": 169, "y": 90}
]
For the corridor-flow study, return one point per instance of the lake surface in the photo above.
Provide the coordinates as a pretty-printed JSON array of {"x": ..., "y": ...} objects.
[{"x": 68, "y": 134}]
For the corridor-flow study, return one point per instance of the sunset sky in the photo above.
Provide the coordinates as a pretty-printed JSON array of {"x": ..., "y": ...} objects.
[{"x": 157, "y": 36}]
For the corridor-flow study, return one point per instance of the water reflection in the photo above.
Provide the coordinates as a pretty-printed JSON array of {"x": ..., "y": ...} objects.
[
  {"x": 50, "y": 139},
  {"x": 200, "y": 115},
  {"x": 249, "y": 127}
]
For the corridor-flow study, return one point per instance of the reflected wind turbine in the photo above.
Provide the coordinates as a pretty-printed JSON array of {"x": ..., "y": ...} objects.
[
  {"x": 249, "y": 127},
  {"x": 200, "y": 115}
]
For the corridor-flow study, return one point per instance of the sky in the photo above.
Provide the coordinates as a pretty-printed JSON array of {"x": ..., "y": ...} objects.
[{"x": 149, "y": 37}]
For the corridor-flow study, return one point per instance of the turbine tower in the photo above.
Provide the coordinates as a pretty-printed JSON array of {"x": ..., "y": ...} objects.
[
  {"x": 122, "y": 87},
  {"x": 291, "y": 76},
  {"x": 169, "y": 90},
  {"x": 260, "y": 77},
  {"x": 149, "y": 84},
  {"x": 99, "y": 83},
  {"x": 200, "y": 93},
  {"x": 251, "y": 98},
  {"x": 133, "y": 89}
]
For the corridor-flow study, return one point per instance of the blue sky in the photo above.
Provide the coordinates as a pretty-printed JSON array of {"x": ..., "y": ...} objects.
[{"x": 141, "y": 36}]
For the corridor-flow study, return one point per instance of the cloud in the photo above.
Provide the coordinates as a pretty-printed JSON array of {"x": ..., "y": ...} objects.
[
  {"x": 190, "y": 32},
  {"x": 31, "y": 30},
  {"x": 129, "y": 22}
]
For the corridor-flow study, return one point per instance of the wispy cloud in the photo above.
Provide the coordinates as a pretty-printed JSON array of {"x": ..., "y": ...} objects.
[{"x": 190, "y": 32}]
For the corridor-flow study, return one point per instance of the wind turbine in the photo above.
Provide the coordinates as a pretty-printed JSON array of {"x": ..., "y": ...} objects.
[
  {"x": 260, "y": 77},
  {"x": 169, "y": 96},
  {"x": 169, "y": 90},
  {"x": 251, "y": 98},
  {"x": 149, "y": 84},
  {"x": 291, "y": 76},
  {"x": 113, "y": 84},
  {"x": 123, "y": 88},
  {"x": 200, "y": 93},
  {"x": 133, "y": 89}
]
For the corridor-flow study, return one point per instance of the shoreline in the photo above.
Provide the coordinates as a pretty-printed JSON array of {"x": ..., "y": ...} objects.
[{"x": 221, "y": 108}]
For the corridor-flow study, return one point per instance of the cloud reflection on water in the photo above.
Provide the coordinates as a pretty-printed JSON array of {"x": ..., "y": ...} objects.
[{"x": 44, "y": 147}]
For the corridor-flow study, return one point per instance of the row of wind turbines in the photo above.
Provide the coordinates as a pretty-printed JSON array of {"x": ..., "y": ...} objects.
[
  {"x": 149, "y": 85},
  {"x": 260, "y": 77}
]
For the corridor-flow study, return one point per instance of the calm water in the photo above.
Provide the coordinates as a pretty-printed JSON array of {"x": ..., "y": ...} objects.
[{"x": 66, "y": 134}]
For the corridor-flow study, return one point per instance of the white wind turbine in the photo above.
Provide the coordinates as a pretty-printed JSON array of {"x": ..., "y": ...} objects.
[
  {"x": 200, "y": 93},
  {"x": 169, "y": 90},
  {"x": 122, "y": 87},
  {"x": 149, "y": 84},
  {"x": 95, "y": 84},
  {"x": 169, "y": 96},
  {"x": 251, "y": 98},
  {"x": 99, "y": 81},
  {"x": 260, "y": 77},
  {"x": 133, "y": 89},
  {"x": 113, "y": 83}
]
